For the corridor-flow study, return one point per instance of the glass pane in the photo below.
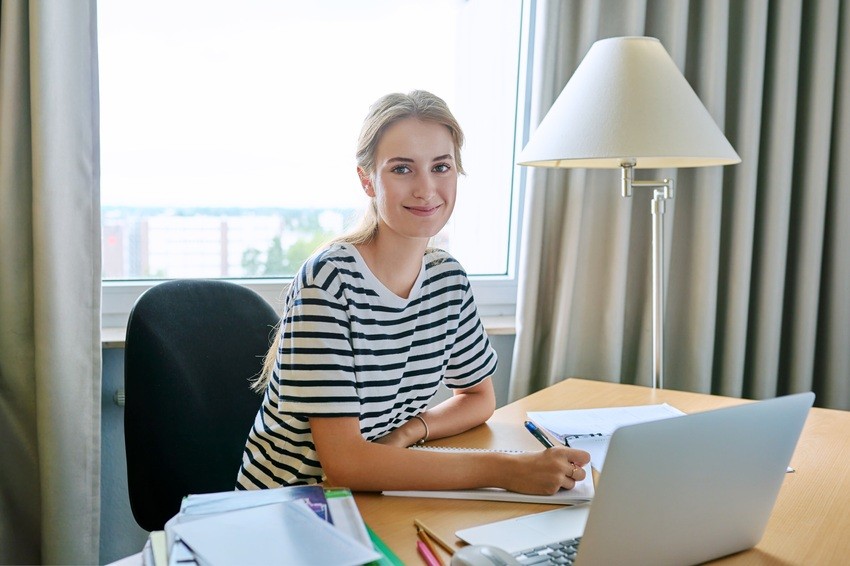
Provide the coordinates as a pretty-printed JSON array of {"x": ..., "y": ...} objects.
[{"x": 228, "y": 128}]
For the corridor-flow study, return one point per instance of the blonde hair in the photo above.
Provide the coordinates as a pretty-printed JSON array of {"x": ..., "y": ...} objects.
[{"x": 386, "y": 111}]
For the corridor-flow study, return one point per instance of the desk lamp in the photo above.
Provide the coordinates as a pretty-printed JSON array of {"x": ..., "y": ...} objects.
[{"x": 628, "y": 107}]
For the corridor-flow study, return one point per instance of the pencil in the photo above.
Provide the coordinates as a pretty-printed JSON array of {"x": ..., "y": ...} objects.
[
  {"x": 429, "y": 557},
  {"x": 426, "y": 540},
  {"x": 434, "y": 536}
]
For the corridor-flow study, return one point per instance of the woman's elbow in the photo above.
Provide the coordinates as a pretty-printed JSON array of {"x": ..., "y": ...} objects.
[
  {"x": 341, "y": 474},
  {"x": 485, "y": 404}
]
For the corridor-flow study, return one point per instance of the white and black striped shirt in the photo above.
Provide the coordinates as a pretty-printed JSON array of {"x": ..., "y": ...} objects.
[{"x": 351, "y": 348}]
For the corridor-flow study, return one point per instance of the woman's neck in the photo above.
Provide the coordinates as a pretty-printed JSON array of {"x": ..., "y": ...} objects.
[{"x": 396, "y": 262}]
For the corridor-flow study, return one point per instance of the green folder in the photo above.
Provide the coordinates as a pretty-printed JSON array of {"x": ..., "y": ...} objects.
[{"x": 390, "y": 558}]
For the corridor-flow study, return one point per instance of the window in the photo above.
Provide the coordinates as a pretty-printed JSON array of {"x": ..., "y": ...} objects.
[{"x": 228, "y": 132}]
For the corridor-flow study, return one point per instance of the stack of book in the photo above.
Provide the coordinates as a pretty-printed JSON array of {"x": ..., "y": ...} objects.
[{"x": 289, "y": 525}]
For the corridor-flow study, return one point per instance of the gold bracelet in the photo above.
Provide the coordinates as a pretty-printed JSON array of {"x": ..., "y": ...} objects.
[{"x": 424, "y": 439}]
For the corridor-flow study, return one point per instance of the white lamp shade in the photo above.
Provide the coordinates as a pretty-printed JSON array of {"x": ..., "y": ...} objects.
[{"x": 627, "y": 101}]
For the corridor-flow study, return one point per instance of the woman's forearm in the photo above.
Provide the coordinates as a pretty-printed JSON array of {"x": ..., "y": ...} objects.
[
  {"x": 368, "y": 466},
  {"x": 464, "y": 410},
  {"x": 375, "y": 467}
]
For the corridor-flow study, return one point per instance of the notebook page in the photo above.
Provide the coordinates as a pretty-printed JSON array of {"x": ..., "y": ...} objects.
[{"x": 604, "y": 421}]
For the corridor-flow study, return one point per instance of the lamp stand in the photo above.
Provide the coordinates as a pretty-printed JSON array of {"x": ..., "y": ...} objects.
[{"x": 663, "y": 190}]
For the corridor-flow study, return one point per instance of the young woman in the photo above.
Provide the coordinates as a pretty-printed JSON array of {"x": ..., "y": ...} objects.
[{"x": 373, "y": 323}]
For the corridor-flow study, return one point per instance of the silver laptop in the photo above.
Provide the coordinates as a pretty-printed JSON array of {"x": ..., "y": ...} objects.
[{"x": 682, "y": 490}]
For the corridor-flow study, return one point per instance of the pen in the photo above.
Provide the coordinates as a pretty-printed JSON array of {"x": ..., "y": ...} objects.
[
  {"x": 538, "y": 434},
  {"x": 420, "y": 526},
  {"x": 426, "y": 554}
]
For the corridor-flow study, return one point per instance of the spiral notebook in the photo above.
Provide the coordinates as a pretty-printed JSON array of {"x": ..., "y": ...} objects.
[
  {"x": 581, "y": 493},
  {"x": 463, "y": 449}
]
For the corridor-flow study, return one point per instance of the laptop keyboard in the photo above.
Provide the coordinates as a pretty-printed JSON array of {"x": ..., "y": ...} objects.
[{"x": 563, "y": 552}]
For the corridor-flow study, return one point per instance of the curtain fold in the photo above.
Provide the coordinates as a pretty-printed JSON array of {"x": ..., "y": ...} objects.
[
  {"x": 50, "y": 351},
  {"x": 757, "y": 294}
]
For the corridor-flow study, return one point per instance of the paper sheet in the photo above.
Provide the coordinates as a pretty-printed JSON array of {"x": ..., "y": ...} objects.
[
  {"x": 603, "y": 421},
  {"x": 591, "y": 429}
]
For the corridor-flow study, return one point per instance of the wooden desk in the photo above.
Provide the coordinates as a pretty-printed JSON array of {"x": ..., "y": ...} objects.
[{"x": 809, "y": 525}]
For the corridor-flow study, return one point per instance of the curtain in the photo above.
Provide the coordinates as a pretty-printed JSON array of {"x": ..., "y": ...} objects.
[
  {"x": 757, "y": 290},
  {"x": 50, "y": 352}
]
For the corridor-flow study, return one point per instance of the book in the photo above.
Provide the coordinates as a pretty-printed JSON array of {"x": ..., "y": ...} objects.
[
  {"x": 346, "y": 515},
  {"x": 155, "y": 552},
  {"x": 207, "y": 503},
  {"x": 347, "y": 518},
  {"x": 591, "y": 429}
]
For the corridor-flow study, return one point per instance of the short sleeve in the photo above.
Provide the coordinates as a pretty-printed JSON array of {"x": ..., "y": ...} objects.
[{"x": 473, "y": 357}]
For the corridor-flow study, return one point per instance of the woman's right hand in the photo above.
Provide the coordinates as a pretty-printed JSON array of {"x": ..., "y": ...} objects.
[{"x": 547, "y": 471}]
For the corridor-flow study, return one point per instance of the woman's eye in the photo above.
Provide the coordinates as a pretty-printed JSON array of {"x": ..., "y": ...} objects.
[
  {"x": 401, "y": 169},
  {"x": 442, "y": 168}
]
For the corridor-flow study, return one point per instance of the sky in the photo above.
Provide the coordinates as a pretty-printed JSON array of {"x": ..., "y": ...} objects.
[{"x": 254, "y": 103}]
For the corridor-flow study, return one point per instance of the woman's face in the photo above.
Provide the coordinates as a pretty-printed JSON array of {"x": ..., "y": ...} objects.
[{"x": 415, "y": 179}]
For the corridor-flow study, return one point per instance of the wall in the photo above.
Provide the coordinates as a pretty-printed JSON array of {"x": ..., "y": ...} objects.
[{"x": 120, "y": 536}]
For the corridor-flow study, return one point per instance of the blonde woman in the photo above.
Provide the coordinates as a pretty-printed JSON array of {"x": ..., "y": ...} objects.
[{"x": 373, "y": 323}]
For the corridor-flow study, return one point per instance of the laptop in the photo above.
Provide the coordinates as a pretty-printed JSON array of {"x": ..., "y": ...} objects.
[{"x": 682, "y": 490}]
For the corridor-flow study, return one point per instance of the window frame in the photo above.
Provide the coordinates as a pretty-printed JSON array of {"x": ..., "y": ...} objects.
[{"x": 495, "y": 295}]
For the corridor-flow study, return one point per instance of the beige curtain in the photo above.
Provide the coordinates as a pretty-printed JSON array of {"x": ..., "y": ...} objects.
[
  {"x": 50, "y": 356},
  {"x": 757, "y": 260}
]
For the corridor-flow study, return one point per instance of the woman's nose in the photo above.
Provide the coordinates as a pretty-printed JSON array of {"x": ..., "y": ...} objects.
[{"x": 425, "y": 189}]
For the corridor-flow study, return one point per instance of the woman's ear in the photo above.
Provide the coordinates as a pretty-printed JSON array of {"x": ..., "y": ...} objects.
[{"x": 366, "y": 182}]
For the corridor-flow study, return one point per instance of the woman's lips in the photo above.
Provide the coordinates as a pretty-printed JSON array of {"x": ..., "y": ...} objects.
[{"x": 423, "y": 210}]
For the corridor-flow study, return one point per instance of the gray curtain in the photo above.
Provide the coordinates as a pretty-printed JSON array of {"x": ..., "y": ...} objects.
[
  {"x": 50, "y": 353},
  {"x": 757, "y": 258}
]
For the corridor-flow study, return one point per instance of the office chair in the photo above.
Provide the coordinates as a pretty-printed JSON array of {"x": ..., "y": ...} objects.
[{"x": 191, "y": 348}]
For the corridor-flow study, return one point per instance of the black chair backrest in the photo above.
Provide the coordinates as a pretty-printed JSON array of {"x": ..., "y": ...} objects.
[{"x": 191, "y": 348}]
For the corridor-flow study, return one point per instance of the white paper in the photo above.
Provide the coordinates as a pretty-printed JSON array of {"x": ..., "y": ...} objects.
[
  {"x": 603, "y": 421},
  {"x": 596, "y": 446},
  {"x": 591, "y": 429}
]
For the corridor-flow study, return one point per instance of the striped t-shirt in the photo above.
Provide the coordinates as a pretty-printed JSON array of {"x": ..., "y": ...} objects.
[{"x": 349, "y": 347}]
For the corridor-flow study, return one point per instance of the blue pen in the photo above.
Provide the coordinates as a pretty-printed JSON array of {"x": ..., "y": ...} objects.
[{"x": 532, "y": 428}]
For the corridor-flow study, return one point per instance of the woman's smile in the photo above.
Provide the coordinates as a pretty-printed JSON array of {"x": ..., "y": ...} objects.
[{"x": 424, "y": 210}]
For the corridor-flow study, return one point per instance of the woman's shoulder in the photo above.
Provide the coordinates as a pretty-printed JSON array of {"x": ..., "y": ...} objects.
[
  {"x": 332, "y": 261},
  {"x": 438, "y": 255},
  {"x": 439, "y": 260}
]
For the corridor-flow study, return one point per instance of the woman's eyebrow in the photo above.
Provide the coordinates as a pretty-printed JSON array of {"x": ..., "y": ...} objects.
[{"x": 443, "y": 157}]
